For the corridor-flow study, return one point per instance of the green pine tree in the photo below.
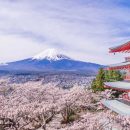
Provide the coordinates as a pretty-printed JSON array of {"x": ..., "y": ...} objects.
[
  {"x": 98, "y": 83},
  {"x": 100, "y": 79},
  {"x": 105, "y": 76},
  {"x": 93, "y": 85}
]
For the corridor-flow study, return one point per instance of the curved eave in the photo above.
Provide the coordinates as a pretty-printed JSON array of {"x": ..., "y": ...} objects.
[
  {"x": 118, "y": 89},
  {"x": 122, "y": 48},
  {"x": 117, "y": 107},
  {"x": 120, "y": 86}
]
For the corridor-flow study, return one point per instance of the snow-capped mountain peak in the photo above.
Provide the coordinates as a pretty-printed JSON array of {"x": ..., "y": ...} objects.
[{"x": 50, "y": 54}]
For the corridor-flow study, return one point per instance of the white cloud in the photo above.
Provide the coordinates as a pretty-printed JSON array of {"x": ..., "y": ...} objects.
[
  {"x": 82, "y": 29},
  {"x": 13, "y": 47}
]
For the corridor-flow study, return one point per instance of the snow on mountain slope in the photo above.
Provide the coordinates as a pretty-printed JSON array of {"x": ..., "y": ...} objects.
[
  {"x": 51, "y": 55},
  {"x": 51, "y": 61}
]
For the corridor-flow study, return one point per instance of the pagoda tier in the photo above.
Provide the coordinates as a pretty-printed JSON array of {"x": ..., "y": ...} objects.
[
  {"x": 119, "y": 66},
  {"x": 122, "y": 104},
  {"x": 121, "y": 86},
  {"x": 125, "y": 66},
  {"x": 122, "y": 48}
]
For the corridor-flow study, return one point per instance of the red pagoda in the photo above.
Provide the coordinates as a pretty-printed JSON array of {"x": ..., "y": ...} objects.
[{"x": 120, "y": 105}]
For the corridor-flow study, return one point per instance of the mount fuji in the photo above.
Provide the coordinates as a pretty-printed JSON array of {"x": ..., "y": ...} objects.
[
  {"x": 50, "y": 61},
  {"x": 50, "y": 55}
]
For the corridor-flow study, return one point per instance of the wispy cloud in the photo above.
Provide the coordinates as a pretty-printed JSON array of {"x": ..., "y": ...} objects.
[{"x": 83, "y": 29}]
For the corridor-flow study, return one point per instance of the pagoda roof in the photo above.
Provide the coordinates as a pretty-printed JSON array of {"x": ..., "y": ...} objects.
[
  {"x": 119, "y": 85},
  {"x": 117, "y": 106},
  {"x": 121, "y": 48},
  {"x": 120, "y": 65}
]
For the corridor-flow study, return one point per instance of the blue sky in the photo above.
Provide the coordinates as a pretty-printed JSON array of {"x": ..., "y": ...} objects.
[{"x": 82, "y": 29}]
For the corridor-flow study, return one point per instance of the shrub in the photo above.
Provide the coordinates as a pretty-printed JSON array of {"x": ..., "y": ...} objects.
[{"x": 68, "y": 115}]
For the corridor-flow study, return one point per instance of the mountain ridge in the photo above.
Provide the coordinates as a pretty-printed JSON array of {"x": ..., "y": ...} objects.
[{"x": 51, "y": 61}]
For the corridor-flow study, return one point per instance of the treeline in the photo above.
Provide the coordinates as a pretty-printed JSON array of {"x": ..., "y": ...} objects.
[{"x": 105, "y": 76}]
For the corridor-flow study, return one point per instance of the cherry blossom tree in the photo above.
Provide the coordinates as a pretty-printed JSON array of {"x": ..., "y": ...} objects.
[{"x": 32, "y": 105}]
